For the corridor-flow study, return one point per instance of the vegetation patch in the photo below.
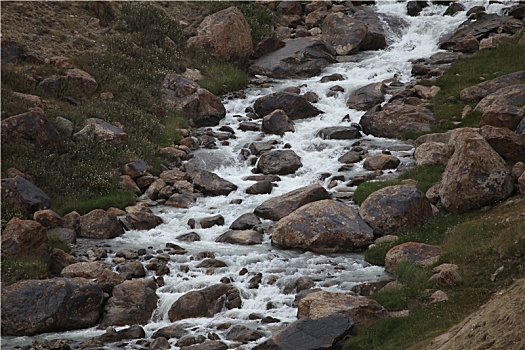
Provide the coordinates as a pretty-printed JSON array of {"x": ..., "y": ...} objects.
[{"x": 22, "y": 268}]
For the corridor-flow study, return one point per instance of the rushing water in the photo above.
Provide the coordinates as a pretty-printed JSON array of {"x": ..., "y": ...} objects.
[{"x": 417, "y": 37}]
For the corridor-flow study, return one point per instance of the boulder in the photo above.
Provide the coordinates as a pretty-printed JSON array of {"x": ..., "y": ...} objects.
[
  {"x": 325, "y": 226},
  {"x": 80, "y": 82},
  {"x": 153, "y": 190},
  {"x": 101, "y": 131},
  {"x": 135, "y": 169},
  {"x": 132, "y": 302},
  {"x": 225, "y": 35},
  {"x": 172, "y": 331},
  {"x": 245, "y": 222},
  {"x": 243, "y": 334},
  {"x": 260, "y": 187},
  {"x": 212, "y": 221},
  {"x": 380, "y": 161},
  {"x": 446, "y": 275},
  {"x": 419, "y": 253},
  {"x": 279, "y": 162},
  {"x": 140, "y": 218},
  {"x": 343, "y": 32},
  {"x": 24, "y": 196},
  {"x": 277, "y": 123},
  {"x": 320, "y": 304},
  {"x": 480, "y": 28},
  {"x": 204, "y": 303},
  {"x": 53, "y": 305},
  {"x": 207, "y": 345},
  {"x": 98, "y": 224},
  {"x": 84, "y": 269},
  {"x": 350, "y": 157},
  {"x": 188, "y": 99},
  {"x": 25, "y": 239},
  {"x": 375, "y": 37},
  {"x": 475, "y": 175},
  {"x": 59, "y": 260},
  {"x": 339, "y": 133},
  {"x": 47, "y": 218},
  {"x": 278, "y": 207},
  {"x": 394, "y": 119},
  {"x": 394, "y": 209},
  {"x": 503, "y": 116},
  {"x": 507, "y": 143},
  {"x": 295, "y": 106},
  {"x": 131, "y": 269},
  {"x": 185, "y": 200},
  {"x": 209, "y": 183},
  {"x": 258, "y": 147},
  {"x": 30, "y": 128},
  {"x": 479, "y": 91},
  {"x": 171, "y": 176},
  {"x": 309, "y": 334},
  {"x": 415, "y": 7},
  {"x": 433, "y": 153},
  {"x": 108, "y": 279},
  {"x": 241, "y": 237},
  {"x": 300, "y": 57},
  {"x": 509, "y": 95},
  {"x": 367, "y": 97},
  {"x": 437, "y": 137},
  {"x": 426, "y": 92}
]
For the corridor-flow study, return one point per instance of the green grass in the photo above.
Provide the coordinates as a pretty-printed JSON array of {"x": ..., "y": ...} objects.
[
  {"x": 426, "y": 177},
  {"x": 21, "y": 268},
  {"x": 56, "y": 242},
  {"x": 483, "y": 65},
  {"x": 116, "y": 199}
]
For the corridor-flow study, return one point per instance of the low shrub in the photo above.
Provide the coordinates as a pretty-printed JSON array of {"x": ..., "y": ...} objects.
[{"x": 56, "y": 242}]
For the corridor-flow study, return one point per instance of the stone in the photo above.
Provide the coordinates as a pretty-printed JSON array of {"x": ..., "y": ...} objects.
[
  {"x": 31, "y": 128},
  {"x": 507, "y": 143},
  {"x": 132, "y": 302},
  {"x": 88, "y": 270},
  {"x": 475, "y": 175},
  {"x": 135, "y": 169},
  {"x": 140, "y": 218},
  {"x": 246, "y": 221},
  {"x": 212, "y": 221},
  {"x": 202, "y": 303},
  {"x": 280, "y": 206},
  {"x": 479, "y": 91},
  {"x": 189, "y": 237},
  {"x": 172, "y": 331},
  {"x": 395, "y": 209},
  {"x": 108, "y": 279},
  {"x": 419, "y": 253},
  {"x": 380, "y": 161},
  {"x": 25, "y": 239},
  {"x": 260, "y": 187},
  {"x": 243, "y": 334},
  {"x": 209, "y": 183},
  {"x": 299, "y": 57},
  {"x": 185, "y": 200},
  {"x": 362, "y": 311},
  {"x": 279, "y": 162},
  {"x": 509, "y": 95},
  {"x": 59, "y": 260},
  {"x": 131, "y": 269},
  {"x": 325, "y": 226},
  {"x": 153, "y": 190},
  {"x": 350, "y": 157},
  {"x": 98, "y": 224},
  {"x": 393, "y": 120},
  {"x": 267, "y": 46},
  {"x": 293, "y": 105},
  {"x": 339, "y": 133},
  {"x": 415, "y": 7},
  {"x": 277, "y": 123},
  {"x": 24, "y": 196},
  {"x": 503, "y": 116},
  {"x": 427, "y": 92},
  {"x": 433, "y": 153},
  {"x": 188, "y": 99},
  {"x": 225, "y": 35},
  {"x": 469, "y": 44},
  {"x": 367, "y": 96},
  {"x": 81, "y": 82},
  {"x": 208, "y": 345},
  {"x": 446, "y": 275},
  {"x": 127, "y": 183},
  {"x": 241, "y": 237},
  {"x": 172, "y": 176},
  {"x": 309, "y": 334},
  {"x": 101, "y": 131},
  {"x": 343, "y": 32}
]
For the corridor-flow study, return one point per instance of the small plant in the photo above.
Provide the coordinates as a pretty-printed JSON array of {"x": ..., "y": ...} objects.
[
  {"x": 22, "y": 268},
  {"x": 56, "y": 242}
]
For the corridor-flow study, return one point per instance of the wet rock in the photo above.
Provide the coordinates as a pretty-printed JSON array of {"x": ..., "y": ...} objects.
[
  {"x": 245, "y": 222},
  {"x": 415, "y": 7},
  {"x": 211, "y": 262},
  {"x": 367, "y": 97},
  {"x": 343, "y": 32},
  {"x": 507, "y": 143},
  {"x": 242, "y": 237},
  {"x": 394, "y": 209},
  {"x": 418, "y": 253},
  {"x": 212, "y": 221},
  {"x": 108, "y": 279},
  {"x": 185, "y": 200},
  {"x": 160, "y": 343},
  {"x": 325, "y": 226},
  {"x": 300, "y": 57},
  {"x": 277, "y": 123},
  {"x": 225, "y": 35},
  {"x": 278, "y": 207},
  {"x": 475, "y": 176},
  {"x": 362, "y": 311},
  {"x": 279, "y": 162},
  {"x": 243, "y": 334},
  {"x": 350, "y": 157},
  {"x": 53, "y": 305},
  {"x": 393, "y": 120},
  {"x": 187, "y": 98},
  {"x": 132, "y": 302},
  {"x": 140, "y": 218},
  {"x": 309, "y": 334},
  {"x": 89, "y": 270},
  {"x": 189, "y": 237},
  {"x": 132, "y": 269},
  {"x": 98, "y": 130},
  {"x": 98, "y": 224},
  {"x": 209, "y": 345},
  {"x": 202, "y": 303},
  {"x": 381, "y": 161},
  {"x": 208, "y": 182},
  {"x": 258, "y": 147},
  {"x": 24, "y": 195},
  {"x": 260, "y": 187},
  {"x": 433, "y": 153},
  {"x": 339, "y": 133},
  {"x": 173, "y": 331},
  {"x": 295, "y": 106}
]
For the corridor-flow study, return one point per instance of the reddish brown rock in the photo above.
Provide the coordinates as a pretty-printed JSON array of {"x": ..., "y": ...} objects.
[
  {"x": 89, "y": 270},
  {"x": 82, "y": 82},
  {"x": 433, "y": 153},
  {"x": 508, "y": 95},
  {"x": 503, "y": 116},
  {"x": 446, "y": 275},
  {"x": 140, "y": 218},
  {"x": 478, "y": 91},
  {"x": 418, "y": 253},
  {"x": 507, "y": 143},
  {"x": 381, "y": 162},
  {"x": 98, "y": 224},
  {"x": 277, "y": 123},
  {"x": 31, "y": 128},
  {"x": 343, "y": 32},
  {"x": 47, "y": 218}
]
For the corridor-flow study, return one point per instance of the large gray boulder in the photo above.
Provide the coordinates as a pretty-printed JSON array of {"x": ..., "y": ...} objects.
[
  {"x": 300, "y": 57},
  {"x": 140, "y": 218},
  {"x": 24, "y": 196},
  {"x": 277, "y": 123},
  {"x": 99, "y": 130},
  {"x": 226, "y": 35},
  {"x": 394, "y": 209},
  {"x": 188, "y": 99},
  {"x": 475, "y": 176},
  {"x": 208, "y": 182},
  {"x": 325, "y": 226},
  {"x": 132, "y": 302},
  {"x": 339, "y": 133},
  {"x": 367, "y": 97},
  {"x": 295, "y": 106},
  {"x": 343, "y": 32},
  {"x": 54, "y": 305},
  {"x": 241, "y": 237},
  {"x": 30, "y": 128},
  {"x": 278, "y": 207},
  {"x": 279, "y": 162}
]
